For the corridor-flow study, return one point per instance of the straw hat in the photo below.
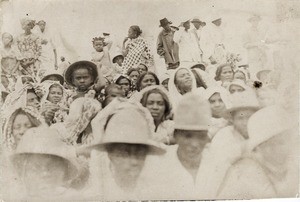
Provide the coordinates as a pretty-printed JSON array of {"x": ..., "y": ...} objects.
[
  {"x": 192, "y": 113},
  {"x": 243, "y": 100},
  {"x": 44, "y": 140},
  {"x": 83, "y": 63},
  {"x": 126, "y": 122},
  {"x": 267, "y": 123},
  {"x": 53, "y": 73}
]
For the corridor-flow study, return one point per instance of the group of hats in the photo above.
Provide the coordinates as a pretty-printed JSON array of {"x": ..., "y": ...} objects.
[{"x": 165, "y": 21}]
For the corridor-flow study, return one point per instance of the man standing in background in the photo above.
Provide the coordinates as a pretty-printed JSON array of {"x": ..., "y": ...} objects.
[{"x": 166, "y": 47}]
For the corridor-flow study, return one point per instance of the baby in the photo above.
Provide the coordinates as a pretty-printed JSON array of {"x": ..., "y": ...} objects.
[{"x": 101, "y": 56}]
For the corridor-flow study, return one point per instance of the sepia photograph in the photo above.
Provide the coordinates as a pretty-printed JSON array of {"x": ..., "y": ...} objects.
[{"x": 145, "y": 100}]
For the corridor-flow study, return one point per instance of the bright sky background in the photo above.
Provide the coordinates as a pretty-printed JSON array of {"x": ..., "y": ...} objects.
[{"x": 76, "y": 22}]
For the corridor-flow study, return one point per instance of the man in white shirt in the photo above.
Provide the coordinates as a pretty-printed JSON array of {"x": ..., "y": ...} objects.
[
  {"x": 177, "y": 172},
  {"x": 198, "y": 24}
]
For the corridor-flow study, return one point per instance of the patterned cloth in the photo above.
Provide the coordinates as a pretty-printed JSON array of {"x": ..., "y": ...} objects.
[{"x": 138, "y": 52}]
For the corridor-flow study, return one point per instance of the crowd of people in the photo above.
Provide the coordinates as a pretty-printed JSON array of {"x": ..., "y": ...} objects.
[{"x": 209, "y": 127}]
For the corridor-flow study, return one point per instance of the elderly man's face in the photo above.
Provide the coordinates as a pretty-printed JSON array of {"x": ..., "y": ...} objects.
[
  {"x": 128, "y": 160},
  {"x": 191, "y": 143}
]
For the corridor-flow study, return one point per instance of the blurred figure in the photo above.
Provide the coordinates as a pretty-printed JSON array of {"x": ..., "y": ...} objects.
[
  {"x": 186, "y": 163},
  {"x": 17, "y": 124},
  {"x": 166, "y": 46},
  {"x": 273, "y": 164},
  {"x": 188, "y": 47},
  {"x": 119, "y": 156},
  {"x": 48, "y": 54},
  {"x": 46, "y": 166},
  {"x": 254, "y": 42}
]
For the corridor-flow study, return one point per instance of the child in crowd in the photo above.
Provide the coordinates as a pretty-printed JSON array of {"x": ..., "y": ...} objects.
[
  {"x": 10, "y": 56},
  {"x": 101, "y": 56},
  {"x": 117, "y": 63}
]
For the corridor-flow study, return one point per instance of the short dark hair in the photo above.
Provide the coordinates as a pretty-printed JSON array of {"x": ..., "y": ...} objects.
[
  {"x": 136, "y": 29},
  {"x": 219, "y": 70},
  {"x": 80, "y": 66},
  {"x": 130, "y": 70}
]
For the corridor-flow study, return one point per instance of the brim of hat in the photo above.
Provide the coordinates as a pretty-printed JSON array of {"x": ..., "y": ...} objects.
[
  {"x": 194, "y": 21},
  {"x": 61, "y": 78},
  {"x": 70, "y": 69},
  {"x": 187, "y": 127},
  {"x": 114, "y": 59},
  {"x": 73, "y": 166},
  {"x": 228, "y": 112},
  {"x": 156, "y": 148},
  {"x": 258, "y": 74},
  {"x": 169, "y": 22}
]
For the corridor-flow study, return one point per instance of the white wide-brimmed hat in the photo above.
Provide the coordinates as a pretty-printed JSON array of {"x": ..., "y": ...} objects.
[
  {"x": 267, "y": 123},
  {"x": 56, "y": 73},
  {"x": 193, "y": 113},
  {"x": 243, "y": 100},
  {"x": 128, "y": 122},
  {"x": 46, "y": 141}
]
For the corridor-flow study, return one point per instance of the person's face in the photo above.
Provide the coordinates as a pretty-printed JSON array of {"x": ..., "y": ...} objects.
[
  {"x": 165, "y": 83},
  {"x": 42, "y": 26},
  {"x": 7, "y": 39},
  {"x": 98, "y": 45},
  {"x": 20, "y": 125},
  {"x": 226, "y": 74},
  {"x": 32, "y": 100},
  {"x": 134, "y": 76},
  {"x": 142, "y": 69},
  {"x": 236, "y": 88},
  {"x": 148, "y": 80},
  {"x": 128, "y": 160},
  {"x": 131, "y": 33},
  {"x": 191, "y": 143},
  {"x": 119, "y": 61},
  {"x": 239, "y": 75},
  {"x": 187, "y": 25},
  {"x": 82, "y": 79},
  {"x": 55, "y": 95},
  {"x": 124, "y": 83},
  {"x": 156, "y": 105},
  {"x": 167, "y": 27},
  {"x": 240, "y": 119},
  {"x": 183, "y": 80},
  {"x": 44, "y": 174},
  {"x": 217, "y": 105}
]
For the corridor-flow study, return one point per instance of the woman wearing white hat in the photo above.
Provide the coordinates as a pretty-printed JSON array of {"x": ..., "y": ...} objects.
[
  {"x": 218, "y": 99},
  {"x": 46, "y": 165},
  {"x": 272, "y": 170},
  {"x": 119, "y": 156}
]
